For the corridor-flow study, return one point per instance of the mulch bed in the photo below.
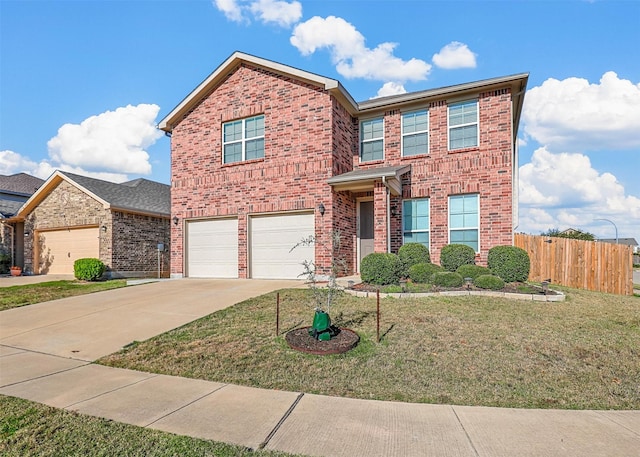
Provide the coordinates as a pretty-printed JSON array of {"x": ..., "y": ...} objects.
[
  {"x": 300, "y": 340},
  {"x": 511, "y": 288}
]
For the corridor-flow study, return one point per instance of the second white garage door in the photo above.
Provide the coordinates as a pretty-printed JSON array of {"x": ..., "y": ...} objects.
[
  {"x": 212, "y": 248},
  {"x": 59, "y": 249},
  {"x": 272, "y": 237}
]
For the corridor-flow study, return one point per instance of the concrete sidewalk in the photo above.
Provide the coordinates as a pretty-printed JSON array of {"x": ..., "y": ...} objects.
[{"x": 34, "y": 365}]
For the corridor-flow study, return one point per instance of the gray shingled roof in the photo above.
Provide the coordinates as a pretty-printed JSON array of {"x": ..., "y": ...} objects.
[
  {"x": 20, "y": 183},
  {"x": 137, "y": 195},
  {"x": 15, "y": 190}
]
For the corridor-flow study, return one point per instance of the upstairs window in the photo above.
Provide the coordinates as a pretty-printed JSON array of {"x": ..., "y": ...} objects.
[
  {"x": 372, "y": 140},
  {"x": 464, "y": 220},
  {"x": 415, "y": 221},
  {"x": 243, "y": 139},
  {"x": 415, "y": 133},
  {"x": 463, "y": 125}
]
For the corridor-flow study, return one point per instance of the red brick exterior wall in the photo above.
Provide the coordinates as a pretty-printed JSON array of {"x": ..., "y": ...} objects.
[
  {"x": 486, "y": 170},
  {"x": 303, "y": 131},
  {"x": 310, "y": 137}
]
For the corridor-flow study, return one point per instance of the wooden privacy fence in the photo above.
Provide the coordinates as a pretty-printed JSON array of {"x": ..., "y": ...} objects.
[{"x": 602, "y": 267}]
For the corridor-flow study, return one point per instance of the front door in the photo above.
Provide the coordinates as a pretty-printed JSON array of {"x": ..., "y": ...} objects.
[{"x": 365, "y": 230}]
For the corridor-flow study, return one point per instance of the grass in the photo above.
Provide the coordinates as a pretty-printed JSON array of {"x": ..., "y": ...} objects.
[
  {"x": 28, "y": 428},
  {"x": 583, "y": 353},
  {"x": 15, "y": 296}
]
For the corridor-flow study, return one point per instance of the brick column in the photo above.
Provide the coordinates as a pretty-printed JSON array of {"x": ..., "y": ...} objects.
[{"x": 380, "y": 234}]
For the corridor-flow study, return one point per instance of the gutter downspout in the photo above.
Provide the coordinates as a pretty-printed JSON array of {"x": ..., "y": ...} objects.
[{"x": 388, "y": 213}]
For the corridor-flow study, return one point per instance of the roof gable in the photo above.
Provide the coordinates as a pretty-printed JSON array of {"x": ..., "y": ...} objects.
[
  {"x": 139, "y": 196},
  {"x": 233, "y": 62}
]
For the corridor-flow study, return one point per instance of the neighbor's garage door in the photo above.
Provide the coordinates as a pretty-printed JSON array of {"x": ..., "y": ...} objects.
[
  {"x": 272, "y": 237},
  {"x": 212, "y": 248},
  {"x": 59, "y": 249}
]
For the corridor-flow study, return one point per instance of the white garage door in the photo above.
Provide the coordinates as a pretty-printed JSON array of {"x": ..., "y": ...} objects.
[
  {"x": 212, "y": 248},
  {"x": 272, "y": 237},
  {"x": 59, "y": 249}
]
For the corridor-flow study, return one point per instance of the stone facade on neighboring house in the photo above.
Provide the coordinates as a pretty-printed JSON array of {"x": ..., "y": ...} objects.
[
  {"x": 75, "y": 216},
  {"x": 263, "y": 154}
]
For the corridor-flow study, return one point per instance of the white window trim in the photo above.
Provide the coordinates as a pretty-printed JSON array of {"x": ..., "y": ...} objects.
[
  {"x": 361, "y": 142},
  {"x": 428, "y": 230},
  {"x": 465, "y": 228},
  {"x": 243, "y": 140},
  {"x": 427, "y": 131},
  {"x": 476, "y": 123}
]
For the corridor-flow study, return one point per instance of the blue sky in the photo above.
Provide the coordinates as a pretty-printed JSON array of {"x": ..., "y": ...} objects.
[{"x": 83, "y": 83}]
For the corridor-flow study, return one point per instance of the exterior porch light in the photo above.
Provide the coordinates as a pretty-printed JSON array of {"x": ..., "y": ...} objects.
[
  {"x": 104, "y": 228},
  {"x": 394, "y": 211},
  {"x": 321, "y": 209},
  {"x": 175, "y": 220}
]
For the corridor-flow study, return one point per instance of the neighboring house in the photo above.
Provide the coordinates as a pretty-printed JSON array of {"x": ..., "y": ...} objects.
[
  {"x": 14, "y": 191},
  {"x": 73, "y": 216},
  {"x": 263, "y": 155},
  {"x": 626, "y": 241}
]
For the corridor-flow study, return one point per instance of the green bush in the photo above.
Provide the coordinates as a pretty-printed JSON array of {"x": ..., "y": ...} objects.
[
  {"x": 509, "y": 262},
  {"x": 452, "y": 256},
  {"x": 88, "y": 269},
  {"x": 422, "y": 272},
  {"x": 381, "y": 268},
  {"x": 447, "y": 279},
  {"x": 489, "y": 281},
  {"x": 411, "y": 254},
  {"x": 472, "y": 271}
]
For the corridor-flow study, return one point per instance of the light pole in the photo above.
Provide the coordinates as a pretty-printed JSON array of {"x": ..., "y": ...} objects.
[{"x": 614, "y": 226}]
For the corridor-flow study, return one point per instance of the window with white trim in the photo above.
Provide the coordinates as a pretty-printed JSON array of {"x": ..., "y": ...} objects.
[
  {"x": 415, "y": 221},
  {"x": 243, "y": 139},
  {"x": 464, "y": 220},
  {"x": 372, "y": 139},
  {"x": 463, "y": 125},
  {"x": 415, "y": 133}
]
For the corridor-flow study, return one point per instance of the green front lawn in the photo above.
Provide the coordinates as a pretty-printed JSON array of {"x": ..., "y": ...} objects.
[
  {"x": 32, "y": 429},
  {"x": 489, "y": 351},
  {"x": 15, "y": 296}
]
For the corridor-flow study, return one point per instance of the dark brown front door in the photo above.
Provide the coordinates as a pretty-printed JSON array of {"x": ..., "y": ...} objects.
[{"x": 365, "y": 229}]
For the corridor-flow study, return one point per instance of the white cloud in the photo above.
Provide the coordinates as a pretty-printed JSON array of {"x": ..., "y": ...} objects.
[
  {"x": 391, "y": 89},
  {"x": 11, "y": 162},
  {"x": 350, "y": 55},
  {"x": 564, "y": 190},
  {"x": 231, "y": 9},
  {"x": 108, "y": 146},
  {"x": 113, "y": 141},
  {"x": 455, "y": 55},
  {"x": 574, "y": 115},
  {"x": 277, "y": 12}
]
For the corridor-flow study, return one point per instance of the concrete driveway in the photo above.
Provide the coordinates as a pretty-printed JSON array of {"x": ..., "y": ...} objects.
[{"x": 91, "y": 326}]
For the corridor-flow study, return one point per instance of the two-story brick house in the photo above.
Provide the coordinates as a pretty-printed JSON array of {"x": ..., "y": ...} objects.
[{"x": 263, "y": 155}]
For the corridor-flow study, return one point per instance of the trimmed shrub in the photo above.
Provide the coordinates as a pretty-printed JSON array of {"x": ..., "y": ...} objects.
[
  {"x": 411, "y": 254},
  {"x": 447, "y": 279},
  {"x": 511, "y": 263},
  {"x": 381, "y": 268},
  {"x": 472, "y": 271},
  {"x": 422, "y": 272},
  {"x": 491, "y": 282},
  {"x": 88, "y": 269},
  {"x": 452, "y": 256}
]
